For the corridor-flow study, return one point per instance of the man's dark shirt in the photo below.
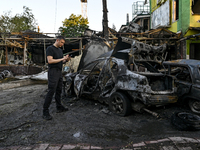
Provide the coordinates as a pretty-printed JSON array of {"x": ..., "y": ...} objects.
[{"x": 56, "y": 53}]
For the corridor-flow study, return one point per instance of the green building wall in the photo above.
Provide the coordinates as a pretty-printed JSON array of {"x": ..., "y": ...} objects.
[
  {"x": 184, "y": 16},
  {"x": 186, "y": 19},
  {"x": 185, "y": 22}
]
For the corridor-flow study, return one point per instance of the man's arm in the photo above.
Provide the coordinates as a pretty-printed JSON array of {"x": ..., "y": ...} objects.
[{"x": 53, "y": 61}]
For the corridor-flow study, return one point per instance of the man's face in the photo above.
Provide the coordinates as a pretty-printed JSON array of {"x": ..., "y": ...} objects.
[{"x": 60, "y": 42}]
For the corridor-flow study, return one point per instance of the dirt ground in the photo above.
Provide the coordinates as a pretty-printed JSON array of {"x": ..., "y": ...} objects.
[{"x": 86, "y": 121}]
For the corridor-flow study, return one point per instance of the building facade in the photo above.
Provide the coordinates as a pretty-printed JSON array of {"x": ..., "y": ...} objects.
[
  {"x": 181, "y": 17},
  {"x": 141, "y": 15}
]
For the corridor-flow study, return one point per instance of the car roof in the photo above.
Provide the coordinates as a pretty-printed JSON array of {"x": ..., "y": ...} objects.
[{"x": 190, "y": 62}]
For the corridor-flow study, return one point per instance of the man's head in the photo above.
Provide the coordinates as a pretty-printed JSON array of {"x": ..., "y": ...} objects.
[{"x": 60, "y": 41}]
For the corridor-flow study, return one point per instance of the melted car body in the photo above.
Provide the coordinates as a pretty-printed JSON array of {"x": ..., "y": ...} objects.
[
  {"x": 124, "y": 77},
  {"x": 187, "y": 81}
]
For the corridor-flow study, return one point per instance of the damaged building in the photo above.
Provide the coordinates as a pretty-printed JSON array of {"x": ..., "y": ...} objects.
[
  {"x": 24, "y": 53},
  {"x": 174, "y": 22},
  {"x": 155, "y": 22},
  {"x": 139, "y": 28},
  {"x": 141, "y": 15},
  {"x": 181, "y": 17}
]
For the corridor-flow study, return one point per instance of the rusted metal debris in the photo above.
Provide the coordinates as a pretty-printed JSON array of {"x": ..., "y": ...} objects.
[
  {"x": 21, "y": 70},
  {"x": 10, "y": 43},
  {"x": 5, "y": 74},
  {"x": 131, "y": 28}
]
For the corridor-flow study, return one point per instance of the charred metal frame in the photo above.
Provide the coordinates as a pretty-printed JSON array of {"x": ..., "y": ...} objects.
[
  {"x": 22, "y": 42},
  {"x": 149, "y": 87}
]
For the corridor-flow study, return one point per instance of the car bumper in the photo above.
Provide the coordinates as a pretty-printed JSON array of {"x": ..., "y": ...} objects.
[{"x": 160, "y": 99}]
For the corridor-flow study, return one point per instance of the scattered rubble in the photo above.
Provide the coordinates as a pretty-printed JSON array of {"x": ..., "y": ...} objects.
[
  {"x": 131, "y": 28},
  {"x": 5, "y": 74}
]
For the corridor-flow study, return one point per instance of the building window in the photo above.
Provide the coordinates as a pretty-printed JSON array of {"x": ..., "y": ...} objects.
[
  {"x": 196, "y": 6},
  {"x": 194, "y": 51},
  {"x": 146, "y": 25},
  {"x": 175, "y": 6}
]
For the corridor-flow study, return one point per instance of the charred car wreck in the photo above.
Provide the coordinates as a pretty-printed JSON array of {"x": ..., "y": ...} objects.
[
  {"x": 187, "y": 81},
  {"x": 126, "y": 78}
]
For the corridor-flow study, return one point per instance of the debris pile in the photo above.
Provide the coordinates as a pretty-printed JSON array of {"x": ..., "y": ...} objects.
[{"x": 5, "y": 74}]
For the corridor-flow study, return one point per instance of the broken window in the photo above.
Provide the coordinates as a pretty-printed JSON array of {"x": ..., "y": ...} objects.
[
  {"x": 175, "y": 14},
  {"x": 196, "y": 6},
  {"x": 181, "y": 73},
  {"x": 88, "y": 68},
  {"x": 92, "y": 76}
]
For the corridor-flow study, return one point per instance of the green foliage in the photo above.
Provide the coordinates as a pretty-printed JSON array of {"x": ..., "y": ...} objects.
[
  {"x": 18, "y": 23},
  {"x": 74, "y": 26},
  {"x": 5, "y": 22}
]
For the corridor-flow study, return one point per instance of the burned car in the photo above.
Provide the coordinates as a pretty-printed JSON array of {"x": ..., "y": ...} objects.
[
  {"x": 187, "y": 81},
  {"x": 126, "y": 78}
]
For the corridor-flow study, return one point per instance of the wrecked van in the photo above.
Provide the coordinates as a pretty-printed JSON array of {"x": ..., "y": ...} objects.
[
  {"x": 126, "y": 78},
  {"x": 187, "y": 81}
]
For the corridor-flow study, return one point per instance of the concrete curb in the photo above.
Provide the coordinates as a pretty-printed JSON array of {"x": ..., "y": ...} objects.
[
  {"x": 18, "y": 83},
  {"x": 170, "y": 143}
]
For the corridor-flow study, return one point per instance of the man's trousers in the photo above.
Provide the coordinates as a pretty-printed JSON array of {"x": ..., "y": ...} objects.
[{"x": 54, "y": 87}]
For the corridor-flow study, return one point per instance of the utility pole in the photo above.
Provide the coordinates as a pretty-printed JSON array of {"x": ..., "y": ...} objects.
[{"x": 105, "y": 20}]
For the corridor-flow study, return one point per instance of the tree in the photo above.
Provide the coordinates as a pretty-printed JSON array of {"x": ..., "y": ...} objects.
[
  {"x": 18, "y": 23},
  {"x": 5, "y": 22},
  {"x": 114, "y": 27},
  {"x": 74, "y": 26}
]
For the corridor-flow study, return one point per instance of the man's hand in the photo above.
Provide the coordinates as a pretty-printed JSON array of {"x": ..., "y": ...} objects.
[{"x": 66, "y": 58}]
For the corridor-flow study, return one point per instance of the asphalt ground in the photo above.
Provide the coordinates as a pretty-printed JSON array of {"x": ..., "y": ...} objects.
[{"x": 87, "y": 125}]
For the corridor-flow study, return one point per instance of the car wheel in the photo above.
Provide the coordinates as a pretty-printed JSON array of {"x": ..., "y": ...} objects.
[
  {"x": 186, "y": 121},
  {"x": 120, "y": 104},
  {"x": 195, "y": 106}
]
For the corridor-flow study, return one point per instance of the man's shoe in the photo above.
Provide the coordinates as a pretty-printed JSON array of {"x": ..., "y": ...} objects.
[
  {"x": 61, "y": 109},
  {"x": 46, "y": 115}
]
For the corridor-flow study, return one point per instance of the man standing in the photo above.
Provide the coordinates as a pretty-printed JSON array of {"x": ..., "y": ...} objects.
[{"x": 55, "y": 62}]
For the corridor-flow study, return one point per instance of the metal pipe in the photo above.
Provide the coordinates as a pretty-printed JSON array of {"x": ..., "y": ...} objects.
[
  {"x": 80, "y": 46},
  {"x": 151, "y": 112},
  {"x": 6, "y": 55},
  {"x": 105, "y": 20},
  {"x": 25, "y": 54}
]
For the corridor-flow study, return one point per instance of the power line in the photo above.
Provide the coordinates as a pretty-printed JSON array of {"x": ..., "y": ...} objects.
[{"x": 55, "y": 16}]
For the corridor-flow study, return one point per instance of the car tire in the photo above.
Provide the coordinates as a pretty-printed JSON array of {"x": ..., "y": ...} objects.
[
  {"x": 119, "y": 104},
  {"x": 184, "y": 121},
  {"x": 195, "y": 106}
]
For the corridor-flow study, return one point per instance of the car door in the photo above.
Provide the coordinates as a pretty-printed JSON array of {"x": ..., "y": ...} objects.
[
  {"x": 81, "y": 77},
  {"x": 195, "y": 89},
  {"x": 107, "y": 77},
  {"x": 87, "y": 81},
  {"x": 183, "y": 80}
]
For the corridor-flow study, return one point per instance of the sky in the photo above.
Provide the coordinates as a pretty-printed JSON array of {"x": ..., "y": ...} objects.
[{"x": 49, "y": 14}]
